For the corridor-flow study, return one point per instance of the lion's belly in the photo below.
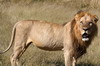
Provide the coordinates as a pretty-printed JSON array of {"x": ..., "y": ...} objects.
[
  {"x": 51, "y": 47},
  {"x": 48, "y": 44},
  {"x": 47, "y": 41}
]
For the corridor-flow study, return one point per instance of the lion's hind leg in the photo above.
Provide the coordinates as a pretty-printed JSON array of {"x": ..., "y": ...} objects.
[
  {"x": 20, "y": 42},
  {"x": 20, "y": 46},
  {"x": 17, "y": 53}
]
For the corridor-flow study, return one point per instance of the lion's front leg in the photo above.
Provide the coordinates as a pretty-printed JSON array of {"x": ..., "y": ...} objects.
[
  {"x": 74, "y": 61},
  {"x": 68, "y": 58}
]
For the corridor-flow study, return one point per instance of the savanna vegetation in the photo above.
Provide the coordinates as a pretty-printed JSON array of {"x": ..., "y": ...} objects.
[{"x": 59, "y": 11}]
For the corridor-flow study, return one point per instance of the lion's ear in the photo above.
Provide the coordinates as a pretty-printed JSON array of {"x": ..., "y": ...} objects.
[{"x": 95, "y": 18}]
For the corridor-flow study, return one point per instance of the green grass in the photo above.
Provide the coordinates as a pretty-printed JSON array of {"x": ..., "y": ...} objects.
[{"x": 52, "y": 11}]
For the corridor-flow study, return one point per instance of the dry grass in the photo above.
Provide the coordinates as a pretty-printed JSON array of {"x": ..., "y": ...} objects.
[{"x": 58, "y": 12}]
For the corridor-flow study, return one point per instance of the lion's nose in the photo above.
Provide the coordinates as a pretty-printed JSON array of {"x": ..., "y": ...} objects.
[{"x": 85, "y": 29}]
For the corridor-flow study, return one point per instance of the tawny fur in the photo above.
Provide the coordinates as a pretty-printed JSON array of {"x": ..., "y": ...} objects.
[{"x": 52, "y": 37}]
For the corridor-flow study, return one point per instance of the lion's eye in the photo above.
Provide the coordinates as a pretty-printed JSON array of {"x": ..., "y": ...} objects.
[
  {"x": 90, "y": 23},
  {"x": 81, "y": 22}
]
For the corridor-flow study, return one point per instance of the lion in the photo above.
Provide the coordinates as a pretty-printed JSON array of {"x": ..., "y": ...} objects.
[{"x": 73, "y": 37}]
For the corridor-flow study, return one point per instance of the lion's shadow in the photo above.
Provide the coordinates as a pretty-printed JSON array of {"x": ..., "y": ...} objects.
[
  {"x": 85, "y": 64},
  {"x": 58, "y": 63}
]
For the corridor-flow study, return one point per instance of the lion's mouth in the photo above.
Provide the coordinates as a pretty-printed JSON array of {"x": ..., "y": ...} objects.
[{"x": 85, "y": 37}]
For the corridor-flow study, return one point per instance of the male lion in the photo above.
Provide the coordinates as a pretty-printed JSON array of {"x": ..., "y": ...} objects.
[{"x": 73, "y": 37}]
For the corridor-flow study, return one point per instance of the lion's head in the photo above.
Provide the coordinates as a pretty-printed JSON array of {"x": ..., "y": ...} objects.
[{"x": 85, "y": 25}]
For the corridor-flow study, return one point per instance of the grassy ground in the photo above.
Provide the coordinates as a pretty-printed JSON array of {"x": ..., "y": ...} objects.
[{"x": 58, "y": 12}]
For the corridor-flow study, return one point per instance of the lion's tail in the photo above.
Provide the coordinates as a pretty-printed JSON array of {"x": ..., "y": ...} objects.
[{"x": 12, "y": 40}]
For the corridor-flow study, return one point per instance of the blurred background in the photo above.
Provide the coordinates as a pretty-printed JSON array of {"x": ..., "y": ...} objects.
[{"x": 59, "y": 11}]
